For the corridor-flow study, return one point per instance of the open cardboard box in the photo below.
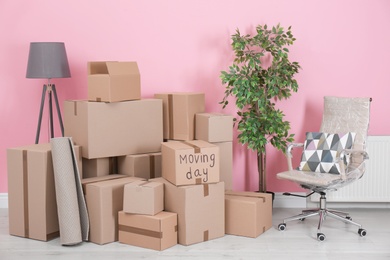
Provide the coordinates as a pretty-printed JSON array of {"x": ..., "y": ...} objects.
[{"x": 112, "y": 81}]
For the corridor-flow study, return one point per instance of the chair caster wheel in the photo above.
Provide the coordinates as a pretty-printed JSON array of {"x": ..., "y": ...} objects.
[
  {"x": 302, "y": 219},
  {"x": 362, "y": 232},
  {"x": 282, "y": 226},
  {"x": 320, "y": 237},
  {"x": 348, "y": 217}
]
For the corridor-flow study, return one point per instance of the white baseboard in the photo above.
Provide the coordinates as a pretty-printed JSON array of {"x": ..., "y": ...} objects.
[
  {"x": 3, "y": 200},
  {"x": 282, "y": 201}
]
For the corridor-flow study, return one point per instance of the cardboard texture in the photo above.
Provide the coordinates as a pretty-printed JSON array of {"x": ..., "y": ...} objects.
[
  {"x": 247, "y": 214},
  {"x": 214, "y": 127},
  {"x": 114, "y": 129},
  {"x": 226, "y": 163},
  {"x": 112, "y": 81},
  {"x": 179, "y": 114},
  {"x": 190, "y": 162},
  {"x": 99, "y": 167},
  {"x": 32, "y": 206},
  {"x": 200, "y": 210},
  {"x": 104, "y": 201},
  {"x": 146, "y": 166},
  {"x": 157, "y": 232},
  {"x": 86, "y": 181},
  {"x": 143, "y": 197}
]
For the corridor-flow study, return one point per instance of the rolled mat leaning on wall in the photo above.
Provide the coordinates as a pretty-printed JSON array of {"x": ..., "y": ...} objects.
[{"x": 72, "y": 209}]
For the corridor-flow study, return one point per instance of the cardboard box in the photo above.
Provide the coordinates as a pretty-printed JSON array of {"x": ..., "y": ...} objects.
[
  {"x": 200, "y": 210},
  {"x": 99, "y": 167},
  {"x": 86, "y": 181},
  {"x": 157, "y": 232},
  {"x": 226, "y": 163},
  {"x": 32, "y": 207},
  {"x": 104, "y": 201},
  {"x": 190, "y": 162},
  {"x": 179, "y": 114},
  {"x": 112, "y": 81},
  {"x": 147, "y": 166},
  {"x": 247, "y": 214},
  {"x": 114, "y": 129},
  {"x": 143, "y": 197},
  {"x": 214, "y": 127}
]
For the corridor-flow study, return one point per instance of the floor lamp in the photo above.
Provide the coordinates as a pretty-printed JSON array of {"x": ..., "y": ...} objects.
[{"x": 48, "y": 60}]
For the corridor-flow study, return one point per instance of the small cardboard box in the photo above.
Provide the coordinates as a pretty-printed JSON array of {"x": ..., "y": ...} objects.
[
  {"x": 143, "y": 197},
  {"x": 190, "y": 162},
  {"x": 112, "y": 81},
  {"x": 114, "y": 129},
  {"x": 147, "y": 166},
  {"x": 104, "y": 201},
  {"x": 179, "y": 114},
  {"x": 156, "y": 232},
  {"x": 214, "y": 127},
  {"x": 200, "y": 210},
  {"x": 32, "y": 205},
  {"x": 226, "y": 163},
  {"x": 99, "y": 167},
  {"x": 247, "y": 214}
]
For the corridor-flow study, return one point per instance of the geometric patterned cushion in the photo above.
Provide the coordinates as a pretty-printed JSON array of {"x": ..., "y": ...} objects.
[{"x": 321, "y": 150}]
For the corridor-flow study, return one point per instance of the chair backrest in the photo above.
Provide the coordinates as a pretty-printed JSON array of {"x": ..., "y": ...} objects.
[{"x": 343, "y": 114}]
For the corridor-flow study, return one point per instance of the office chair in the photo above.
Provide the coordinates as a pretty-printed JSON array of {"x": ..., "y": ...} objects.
[{"x": 332, "y": 158}]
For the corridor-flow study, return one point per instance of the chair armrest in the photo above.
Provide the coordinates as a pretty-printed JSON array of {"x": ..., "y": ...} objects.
[
  {"x": 341, "y": 158},
  {"x": 289, "y": 156}
]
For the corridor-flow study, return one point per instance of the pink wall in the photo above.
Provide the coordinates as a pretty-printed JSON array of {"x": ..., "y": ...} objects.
[{"x": 342, "y": 46}]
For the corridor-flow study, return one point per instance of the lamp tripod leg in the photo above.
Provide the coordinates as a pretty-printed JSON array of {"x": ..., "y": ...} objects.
[
  {"x": 58, "y": 109},
  {"x": 40, "y": 114},
  {"x": 51, "y": 115}
]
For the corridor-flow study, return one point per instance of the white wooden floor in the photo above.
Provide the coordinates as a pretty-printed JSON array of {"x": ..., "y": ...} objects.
[{"x": 298, "y": 241}]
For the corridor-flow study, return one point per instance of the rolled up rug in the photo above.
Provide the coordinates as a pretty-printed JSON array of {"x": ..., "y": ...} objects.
[{"x": 71, "y": 206}]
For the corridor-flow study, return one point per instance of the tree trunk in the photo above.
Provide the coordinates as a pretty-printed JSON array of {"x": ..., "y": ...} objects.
[{"x": 262, "y": 172}]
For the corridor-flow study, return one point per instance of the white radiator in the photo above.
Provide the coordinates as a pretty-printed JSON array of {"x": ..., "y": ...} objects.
[{"x": 374, "y": 186}]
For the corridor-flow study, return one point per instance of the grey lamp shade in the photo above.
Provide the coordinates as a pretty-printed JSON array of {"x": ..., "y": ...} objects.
[{"x": 47, "y": 60}]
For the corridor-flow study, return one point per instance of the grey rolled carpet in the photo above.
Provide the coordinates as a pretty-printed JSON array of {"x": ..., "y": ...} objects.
[{"x": 71, "y": 206}]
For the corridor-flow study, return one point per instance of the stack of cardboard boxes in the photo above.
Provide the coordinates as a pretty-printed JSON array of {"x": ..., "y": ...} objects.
[{"x": 154, "y": 171}]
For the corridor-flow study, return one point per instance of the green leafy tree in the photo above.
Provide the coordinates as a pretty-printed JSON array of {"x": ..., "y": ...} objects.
[{"x": 260, "y": 75}]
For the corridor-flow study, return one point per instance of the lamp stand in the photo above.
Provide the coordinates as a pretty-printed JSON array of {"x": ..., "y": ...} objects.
[{"x": 49, "y": 88}]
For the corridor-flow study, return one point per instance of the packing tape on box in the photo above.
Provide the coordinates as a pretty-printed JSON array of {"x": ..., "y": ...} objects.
[
  {"x": 141, "y": 231},
  {"x": 197, "y": 149},
  {"x": 206, "y": 235},
  {"x": 25, "y": 194},
  {"x": 152, "y": 166},
  {"x": 71, "y": 206},
  {"x": 170, "y": 116}
]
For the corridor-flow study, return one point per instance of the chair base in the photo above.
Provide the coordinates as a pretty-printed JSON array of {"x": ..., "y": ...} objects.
[{"x": 323, "y": 212}]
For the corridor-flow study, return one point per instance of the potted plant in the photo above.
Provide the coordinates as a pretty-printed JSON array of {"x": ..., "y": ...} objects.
[{"x": 261, "y": 74}]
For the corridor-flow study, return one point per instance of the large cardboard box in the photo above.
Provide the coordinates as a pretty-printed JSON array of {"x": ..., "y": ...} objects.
[
  {"x": 214, "y": 127},
  {"x": 146, "y": 165},
  {"x": 32, "y": 207},
  {"x": 156, "y": 232},
  {"x": 112, "y": 81},
  {"x": 190, "y": 162},
  {"x": 114, "y": 129},
  {"x": 226, "y": 163},
  {"x": 200, "y": 210},
  {"x": 179, "y": 114},
  {"x": 99, "y": 167},
  {"x": 143, "y": 197},
  {"x": 104, "y": 201},
  {"x": 247, "y": 213}
]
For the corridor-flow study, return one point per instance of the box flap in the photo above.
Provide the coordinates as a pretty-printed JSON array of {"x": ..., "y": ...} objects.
[
  {"x": 264, "y": 196},
  {"x": 97, "y": 67},
  {"x": 122, "y": 68}
]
